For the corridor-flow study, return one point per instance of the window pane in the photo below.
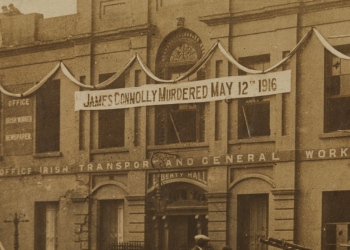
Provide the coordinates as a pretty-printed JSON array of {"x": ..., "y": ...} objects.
[
  {"x": 253, "y": 113},
  {"x": 344, "y": 85},
  {"x": 48, "y": 117},
  {"x": 337, "y": 92},
  {"x": 180, "y": 123},
  {"x": 254, "y": 119},
  {"x": 111, "y": 128},
  {"x": 338, "y": 114},
  {"x": 111, "y": 123}
]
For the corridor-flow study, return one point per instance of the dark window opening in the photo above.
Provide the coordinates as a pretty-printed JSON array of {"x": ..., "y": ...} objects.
[
  {"x": 48, "y": 117},
  {"x": 111, "y": 123},
  {"x": 254, "y": 118},
  {"x": 335, "y": 220},
  {"x": 180, "y": 123},
  {"x": 337, "y": 92},
  {"x": 254, "y": 113}
]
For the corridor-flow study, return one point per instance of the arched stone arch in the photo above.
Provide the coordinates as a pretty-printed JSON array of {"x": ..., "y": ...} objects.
[
  {"x": 180, "y": 47},
  {"x": 113, "y": 183},
  {"x": 169, "y": 182},
  {"x": 253, "y": 176},
  {"x": 176, "y": 38},
  {"x": 183, "y": 195}
]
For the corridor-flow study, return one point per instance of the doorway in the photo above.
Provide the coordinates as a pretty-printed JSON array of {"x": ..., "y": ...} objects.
[
  {"x": 252, "y": 221},
  {"x": 110, "y": 223},
  {"x": 185, "y": 217},
  {"x": 182, "y": 230}
]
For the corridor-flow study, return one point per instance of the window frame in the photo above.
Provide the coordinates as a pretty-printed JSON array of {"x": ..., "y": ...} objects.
[
  {"x": 258, "y": 62},
  {"x": 111, "y": 138},
  {"x": 169, "y": 65},
  {"x": 335, "y": 108},
  {"x": 47, "y": 109}
]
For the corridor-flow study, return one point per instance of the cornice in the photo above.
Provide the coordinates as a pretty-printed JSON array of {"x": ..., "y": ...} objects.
[
  {"x": 310, "y": 6},
  {"x": 286, "y": 191},
  {"x": 40, "y": 46},
  {"x": 271, "y": 12},
  {"x": 122, "y": 33},
  {"x": 135, "y": 198},
  {"x": 253, "y": 15}
]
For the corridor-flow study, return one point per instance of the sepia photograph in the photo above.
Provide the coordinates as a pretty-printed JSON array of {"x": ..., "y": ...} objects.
[{"x": 174, "y": 124}]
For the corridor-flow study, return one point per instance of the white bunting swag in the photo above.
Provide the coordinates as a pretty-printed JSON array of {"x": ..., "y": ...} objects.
[{"x": 191, "y": 71}]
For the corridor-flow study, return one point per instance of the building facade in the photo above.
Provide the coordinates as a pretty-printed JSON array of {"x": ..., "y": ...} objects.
[{"x": 236, "y": 169}]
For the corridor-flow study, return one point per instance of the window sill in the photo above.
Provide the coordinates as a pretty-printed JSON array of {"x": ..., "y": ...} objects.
[
  {"x": 179, "y": 145},
  {"x": 335, "y": 134},
  {"x": 108, "y": 150},
  {"x": 47, "y": 154},
  {"x": 256, "y": 139}
]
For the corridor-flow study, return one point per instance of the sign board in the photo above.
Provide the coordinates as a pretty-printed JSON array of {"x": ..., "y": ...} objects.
[
  {"x": 189, "y": 92},
  {"x": 144, "y": 165},
  {"x": 196, "y": 176},
  {"x": 18, "y": 122}
]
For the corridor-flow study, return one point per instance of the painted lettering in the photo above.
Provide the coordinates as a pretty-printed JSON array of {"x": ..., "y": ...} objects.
[
  {"x": 321, "y": 153},
  {"x": 344, "y": 152}
]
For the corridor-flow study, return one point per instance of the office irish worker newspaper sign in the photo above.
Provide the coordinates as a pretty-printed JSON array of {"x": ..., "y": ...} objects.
[{"x": 230, "y": 87}]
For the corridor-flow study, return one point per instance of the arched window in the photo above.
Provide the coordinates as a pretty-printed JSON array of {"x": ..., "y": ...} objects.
[{"x": 179, "y": 123}]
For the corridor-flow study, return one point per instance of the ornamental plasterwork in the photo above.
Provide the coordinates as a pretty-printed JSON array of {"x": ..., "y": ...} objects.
[{"x": 184, "y": 52}]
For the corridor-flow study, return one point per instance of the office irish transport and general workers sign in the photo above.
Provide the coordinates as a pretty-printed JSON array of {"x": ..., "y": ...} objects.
[
  {"x": 189, "y": 92},
  {"x": 188, "y": 163}
]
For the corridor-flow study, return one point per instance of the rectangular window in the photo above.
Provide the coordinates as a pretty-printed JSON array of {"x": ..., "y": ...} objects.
[
  {"x": 111, "y": 123},
  {"x": 252, "y": 221},
  {"x": 180, "y": 123},
  {"x": 48, "y": 117},
  {"x": 254, "y": 113},
  {"x": 337, "y": 92},
  {"x": 45, "y": 231},
  {"x": 110, "y": 223},
  {"x": 335, "y": 220}
]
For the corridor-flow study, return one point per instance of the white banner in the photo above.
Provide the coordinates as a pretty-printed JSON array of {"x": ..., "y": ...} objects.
[{"x": 188, "y": 92}]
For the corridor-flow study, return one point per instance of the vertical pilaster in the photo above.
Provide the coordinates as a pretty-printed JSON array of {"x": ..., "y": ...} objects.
[
  {"x": 157, "y": 229},
  {"x": 284, "y": 210},
  {"x": 136, "y": 218},
  {"x": 166, "y": 231},
  {"x": 81, "y": 223},
  {"x": 217, "y": 220}
]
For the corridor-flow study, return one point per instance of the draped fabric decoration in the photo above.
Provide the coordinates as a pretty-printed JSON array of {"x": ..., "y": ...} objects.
[
  {"x": 71, "y": 77},
  {"x": 34, "y": 88},
  {"x": 191, "y": 71},
  {"x": 116, "y": 75},
  {"x": 238, "y": 65},
  {"x": 329, "y": 47},
  {"x": 292, "y": 52},
  {"x": 150, "y": 73}
]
